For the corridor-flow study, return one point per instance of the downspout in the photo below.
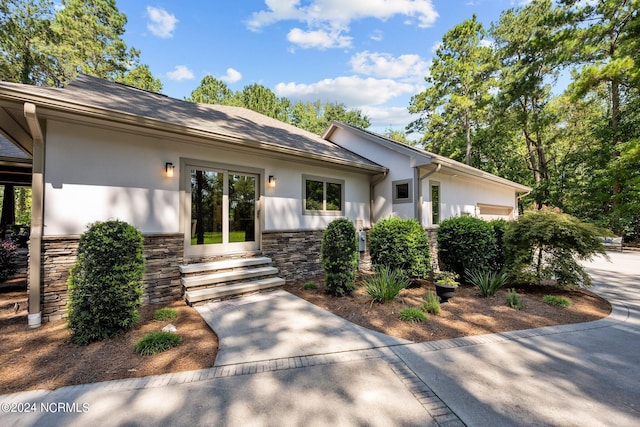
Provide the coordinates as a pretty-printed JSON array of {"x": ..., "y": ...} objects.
[
  {"x": 420, "y": 179},
  {"x": 37, "y": 194},
  {"x": 375, "y": 180}
]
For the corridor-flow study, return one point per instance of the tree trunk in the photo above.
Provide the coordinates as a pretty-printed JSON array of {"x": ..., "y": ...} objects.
[{"x": 467, "y": 124}]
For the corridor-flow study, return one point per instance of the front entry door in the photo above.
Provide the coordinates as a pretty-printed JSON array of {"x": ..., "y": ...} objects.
[{"x": 223, "y": 211}]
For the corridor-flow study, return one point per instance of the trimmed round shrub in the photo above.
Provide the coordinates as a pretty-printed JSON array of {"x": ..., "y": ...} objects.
[
  {"x": 105, "y": 285},
  {"x": 466, "y": 243},
  {"x": 400, "y": 244},
  {"x": 339, "y": 257}
]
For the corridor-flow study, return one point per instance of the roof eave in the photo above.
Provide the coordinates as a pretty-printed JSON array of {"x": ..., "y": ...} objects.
[{"x": 50, "y": 107}]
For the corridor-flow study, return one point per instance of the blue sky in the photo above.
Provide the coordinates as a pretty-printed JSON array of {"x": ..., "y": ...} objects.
[{"x": 367, "y": 54}]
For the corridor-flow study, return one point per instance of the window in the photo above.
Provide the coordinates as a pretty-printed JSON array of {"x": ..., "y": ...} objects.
[
  {"x": 435, "y": 203},
  {"x": 323, "y": 196},
  {"x": 402, "y": 191}
]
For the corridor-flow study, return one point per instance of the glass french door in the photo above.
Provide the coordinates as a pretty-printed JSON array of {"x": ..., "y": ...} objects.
[{"x": 223, "y": 211}]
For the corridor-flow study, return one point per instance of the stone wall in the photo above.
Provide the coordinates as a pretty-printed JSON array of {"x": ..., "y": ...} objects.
[
  {"x": 163, "y": 253},
  {"x": 432, "y": 235},
  {"x": 295, "y": 253}
]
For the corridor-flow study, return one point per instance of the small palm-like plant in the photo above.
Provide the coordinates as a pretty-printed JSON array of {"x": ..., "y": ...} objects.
[
  {"x": 489, "y": 282},
  {"x": 156, "y": 342},
  {"x": 413, "y": 314},
  {"x": 557, "y": 301},
  {"x": 386, "y": 284},
  {"x": 431, "y": 303}
]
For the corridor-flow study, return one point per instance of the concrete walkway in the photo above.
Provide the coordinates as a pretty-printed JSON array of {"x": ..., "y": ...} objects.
[{"x": 284, "y": 362}]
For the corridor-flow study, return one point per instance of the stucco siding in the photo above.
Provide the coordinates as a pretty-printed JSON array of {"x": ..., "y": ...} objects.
[
  {"x": 460, "y": 196},
  {"x": 399, "y": 166},
  {"x": 93, "y": 174}
]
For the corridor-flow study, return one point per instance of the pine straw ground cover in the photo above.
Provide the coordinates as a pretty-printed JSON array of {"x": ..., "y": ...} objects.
[
  {"x": 45, "y": 358},
  {"x": 466, "y": 314}
]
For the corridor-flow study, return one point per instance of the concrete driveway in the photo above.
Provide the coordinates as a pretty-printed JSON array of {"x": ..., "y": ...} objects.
[{"x": 284, "y": 362}]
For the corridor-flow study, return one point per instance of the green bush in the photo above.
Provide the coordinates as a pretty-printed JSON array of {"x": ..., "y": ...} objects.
[
  {"x": 386, "y": 284},
  {"x": 105, "y": 285},
  {"x": 400, "y": 244},
  {"x": 309, "y": 286},
  {"x": 339, "y": 257},
  {"x": 464, "y": 243},
  {"x": 557, "y": 301},
  {"x": 431, "y": 303},
  {"x": 489, "y": 282},
  {"x": 413, "y": 314},
  {"x": 499, "y": 227},
  {"x": 514, "y": 300},
  {"x": 156, "y": 342},
  {"x": 165, "y": 313},
  {"x": 545, "y": 245}
]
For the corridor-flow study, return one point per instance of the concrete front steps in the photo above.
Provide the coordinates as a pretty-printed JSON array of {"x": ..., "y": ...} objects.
[{"x": 212, "y": 281}]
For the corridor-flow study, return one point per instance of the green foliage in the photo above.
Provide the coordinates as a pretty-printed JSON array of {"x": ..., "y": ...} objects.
[
  {"x": 7, "y": 256},
  {"x": 514, "y": 300},
  {"x": 557, "y": 301},
  {"x": 385, "y": 284},
  {"x": 545, "y": 245},
  {"x": 431, "y": 303},
  {"x": 312, "y": 116},
  {"x": 412, "y": 314},
  {"x": 165, "y": 313},
  {"x": 488, "y": 281},
  {"x": 465, "y": 243},
  {"x": 308, "y": 286},
  {"x": 400, "y": 244},
  {"x": 105, "y": 285},
  {"x": 459, "y": 80},
  {"x": 157, "y": 342},
  {"x": 47, "y": 44},
  {"x": 339, "y": 257},
  {"x": 446, "y": 278}
]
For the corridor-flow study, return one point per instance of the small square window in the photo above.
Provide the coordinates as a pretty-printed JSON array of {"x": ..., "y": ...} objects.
[{"x": 402, "y": 191}]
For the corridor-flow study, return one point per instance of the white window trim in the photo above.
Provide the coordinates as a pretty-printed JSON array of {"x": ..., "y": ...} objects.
[{"x": 324, "y": 210}]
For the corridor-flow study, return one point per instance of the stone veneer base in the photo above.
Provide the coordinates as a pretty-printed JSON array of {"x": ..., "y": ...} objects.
[{"x": 163, "y": 254}]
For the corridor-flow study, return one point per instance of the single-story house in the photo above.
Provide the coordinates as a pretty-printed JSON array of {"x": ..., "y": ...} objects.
[{"x": 223, "y": 195}]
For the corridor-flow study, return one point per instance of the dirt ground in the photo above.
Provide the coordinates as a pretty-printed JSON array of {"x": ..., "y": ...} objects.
[
  {"x": 45, "y": 357},
  {"x": 466, "y": 314}
]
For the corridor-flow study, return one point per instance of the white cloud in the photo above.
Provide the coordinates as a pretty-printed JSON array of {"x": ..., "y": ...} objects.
[
  {"x": 318, "y": 39},
  {"x": 337, "y": 15},
  {"x": 162, "y": 23},
  {"x": 232, "y": 76},
  {"x": 436, "y": 46},
  {"x": 353, "y": 91},
  {"x": 180, "y": 72},
  {"x": 385, "y": 65},
  {"x": 377, "y": 36},
  {"x": 343, "y": 12},
  {"x": 383, "y": 118}
]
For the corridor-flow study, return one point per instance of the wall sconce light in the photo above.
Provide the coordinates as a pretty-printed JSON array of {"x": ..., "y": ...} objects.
[
  {"x": 272, "y": 181},
  {"x": 168, "y": 169}
]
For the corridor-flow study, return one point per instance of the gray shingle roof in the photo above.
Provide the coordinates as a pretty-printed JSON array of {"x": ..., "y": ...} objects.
[{"x": 235, "y": 122}]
